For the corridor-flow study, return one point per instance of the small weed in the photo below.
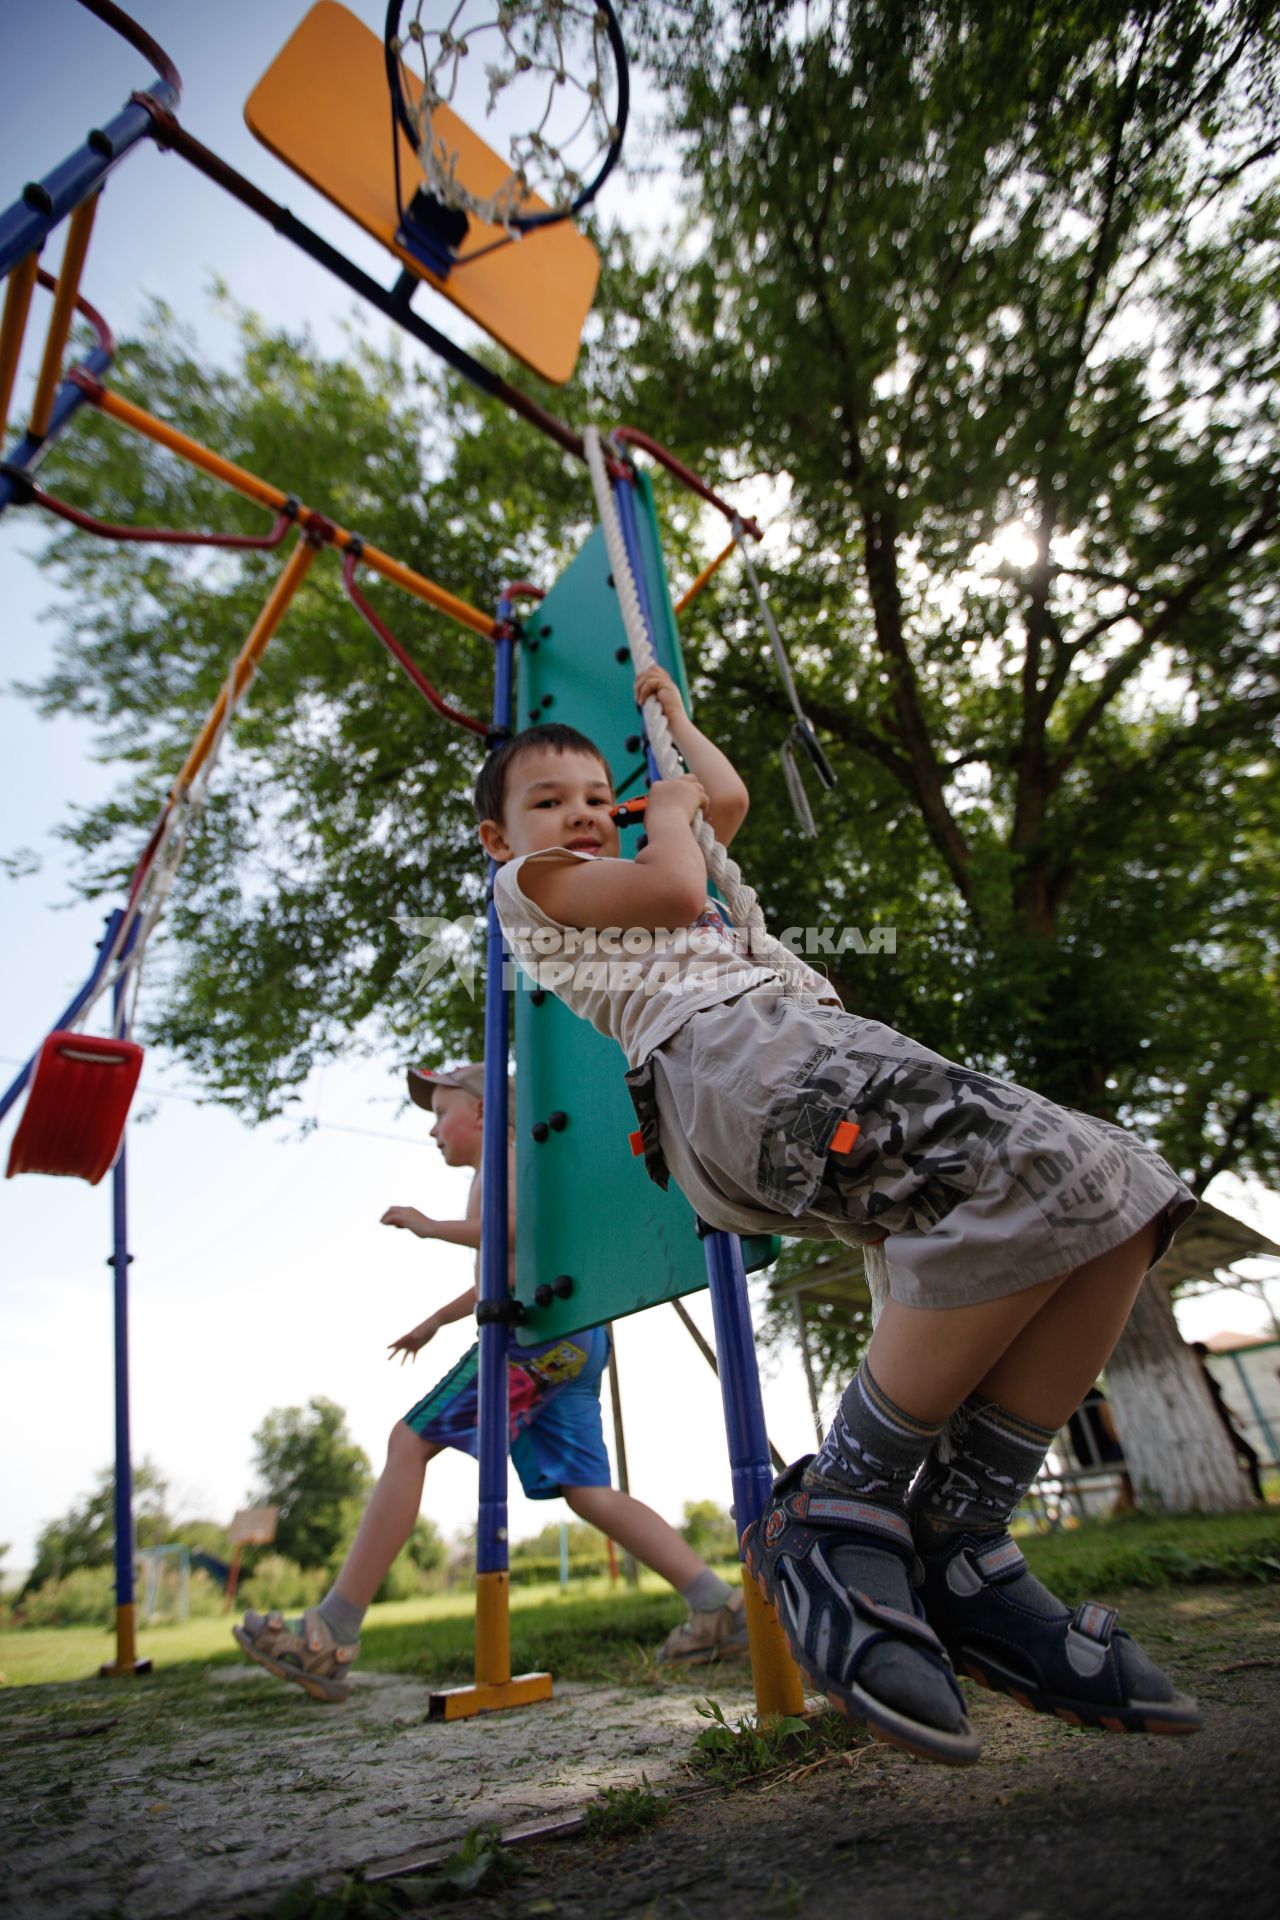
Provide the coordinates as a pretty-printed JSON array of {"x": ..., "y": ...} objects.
[
  {"x": 727, "y": 1754},
  {"x": 623, "y": 1810},
  {"x": 353, "y": 1900},
  {"x": 784, "y": 1750},
  {"x": 481, "y": 1857}
]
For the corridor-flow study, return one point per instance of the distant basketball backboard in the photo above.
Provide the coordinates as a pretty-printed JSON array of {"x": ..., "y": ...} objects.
[
  {"x": 323, "y": 107},
  {"x": 254, "y": 1527}
]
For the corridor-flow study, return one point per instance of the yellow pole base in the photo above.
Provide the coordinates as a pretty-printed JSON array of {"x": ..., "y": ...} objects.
[
  {"x": 493, "y": 1630},
  {"x": 779, "y": 1688},
  {"x": 126, "y": 1665},
  {"x": 487, "y": 1696}
]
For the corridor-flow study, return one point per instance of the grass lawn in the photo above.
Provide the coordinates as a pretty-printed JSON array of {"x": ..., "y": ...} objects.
[
  {"x": 598, "y": 1633},
  {"x": 591, "y": 1633}
]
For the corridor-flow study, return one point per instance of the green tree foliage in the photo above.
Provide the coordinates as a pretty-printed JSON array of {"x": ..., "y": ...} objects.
[
  {"x": 308, "y": 1465},
  {"x": 709, "y": 1530},
  {"x": 987, "y": 292},
  {"x": 990, "y": 292},
  {"x": 85, "y": 1536},
  {"x": 583, "y": 1540}
]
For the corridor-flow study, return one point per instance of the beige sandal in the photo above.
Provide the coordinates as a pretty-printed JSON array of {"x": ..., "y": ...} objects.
[{"x": 312, "y": 1659}]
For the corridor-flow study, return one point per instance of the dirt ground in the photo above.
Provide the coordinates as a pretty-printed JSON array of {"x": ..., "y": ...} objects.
[{"x": 223, "y": 1793}]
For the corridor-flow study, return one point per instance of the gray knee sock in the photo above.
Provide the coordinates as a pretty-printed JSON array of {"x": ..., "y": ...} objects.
[
  {"x": 342, "y": 1619},
  {"x": 705, "y": 1592},
  {"x": 873, "y": 1449},
  {"x": 994, "y": 1457}
]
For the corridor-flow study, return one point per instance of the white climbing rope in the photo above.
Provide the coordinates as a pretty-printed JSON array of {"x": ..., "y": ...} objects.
[
  {"x": 741, "y": 900},
  {"x": 722, "y": 868}
]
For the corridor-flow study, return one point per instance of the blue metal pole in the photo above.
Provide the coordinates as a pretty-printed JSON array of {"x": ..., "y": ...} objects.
[
  {"x": 27, "y": 224},
  {"x": 68, "y": 1013},
  {"x": 744, "y": 1424},
  {"x": 748, "y": 1439},
  {"x": 491, "y": 1532},
  {"x": 1258, "y": 1414},
  {"x": 28, "y": 453},
  {"x": 119, "y": 1262}
]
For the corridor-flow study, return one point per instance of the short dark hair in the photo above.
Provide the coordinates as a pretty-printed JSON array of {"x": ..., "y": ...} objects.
[{"x": 491, "y": 785}]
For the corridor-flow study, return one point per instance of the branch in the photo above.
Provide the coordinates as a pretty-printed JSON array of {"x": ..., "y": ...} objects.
[
  {"x": 837, "y": 721},
  {"x": 1240, "y": 1121},
  {"x": 1132, "y": 658}
]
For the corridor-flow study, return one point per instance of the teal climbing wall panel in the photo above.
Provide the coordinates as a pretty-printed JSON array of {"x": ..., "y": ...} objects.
[{"x": 586, "y": 1207}]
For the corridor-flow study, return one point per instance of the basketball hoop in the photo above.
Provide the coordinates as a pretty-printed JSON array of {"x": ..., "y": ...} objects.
[{"x": 559, "y": 70}]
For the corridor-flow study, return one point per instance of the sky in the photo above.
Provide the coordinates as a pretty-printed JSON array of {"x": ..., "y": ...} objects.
[{"x": 261, "y": 1276}]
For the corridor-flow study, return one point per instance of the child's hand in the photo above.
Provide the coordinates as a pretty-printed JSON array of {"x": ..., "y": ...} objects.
[
  {"x": 656, "y": 683},
  {"x": 680, "y": 799},
  {"x": 409, "y": 1217},
  {"x": 407, "y": 1346}
]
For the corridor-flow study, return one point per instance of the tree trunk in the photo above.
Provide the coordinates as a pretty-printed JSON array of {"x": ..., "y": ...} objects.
[{"x": 1179, "y": 1456}]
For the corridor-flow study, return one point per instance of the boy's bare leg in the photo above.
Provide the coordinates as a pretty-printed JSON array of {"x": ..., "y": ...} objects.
[
  {"x": 1036, "y": 1352},
  {"x": 640, "y": 1531},
  {"x": 716, "y": 1627},
  {"x": 389, "y": 1518}
]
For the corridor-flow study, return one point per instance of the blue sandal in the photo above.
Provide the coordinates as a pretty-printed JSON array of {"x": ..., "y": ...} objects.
[
  {"x": 838, "y": 1573},
  {"x": 1008, "y": 1632}
]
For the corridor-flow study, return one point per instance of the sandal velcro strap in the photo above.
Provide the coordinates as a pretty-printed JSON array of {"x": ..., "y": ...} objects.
[
  {"x": 835, "y": 1510},
  {"x": 1095, "y": 1622},
  {"x": 1001, "y": 1561},
  {"x": 905, "y": 1626}
]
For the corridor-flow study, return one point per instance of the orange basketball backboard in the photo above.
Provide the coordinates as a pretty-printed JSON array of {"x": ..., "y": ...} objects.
[{"x": 323, "y": 108}]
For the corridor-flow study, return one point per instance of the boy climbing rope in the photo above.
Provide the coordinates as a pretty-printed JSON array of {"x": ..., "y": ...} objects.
[
  {"x": 1017, "y": 1236},
  {"x": 557, "y": 1448}
]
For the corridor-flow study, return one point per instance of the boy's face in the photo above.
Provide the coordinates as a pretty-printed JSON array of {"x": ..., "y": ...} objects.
[
  {"x": 458, "y": 1130},
  {"x": 553, "y": 799}
]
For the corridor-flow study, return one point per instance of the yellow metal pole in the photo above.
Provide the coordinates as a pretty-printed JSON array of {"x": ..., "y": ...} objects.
[
  {"x": 712, "y": 566},
  {"x": 422, "y": 588},
  {"x": 129, "y": 415},
  {"x": 64, "y": 304},
  {"x": 126, "y": 1639},
  {"x": 493, "y": 1629},
  {"x": 248, "y": 484},
  {"x": 264, "y": 626},
  {"x": 779, "y": 1688},
  {"x": 17, "y": 305}
]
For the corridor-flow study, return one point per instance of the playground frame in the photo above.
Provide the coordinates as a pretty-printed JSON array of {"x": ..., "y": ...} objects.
[{"x": 70, "y": 193}]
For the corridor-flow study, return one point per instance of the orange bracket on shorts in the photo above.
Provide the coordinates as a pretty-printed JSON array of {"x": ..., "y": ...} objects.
[
  {"x": 636, "y": 1142},
  {"x": 844, "y": 1136}
]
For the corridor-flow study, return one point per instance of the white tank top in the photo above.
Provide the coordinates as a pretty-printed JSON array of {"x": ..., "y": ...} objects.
[{"x": 639, "y": 987}]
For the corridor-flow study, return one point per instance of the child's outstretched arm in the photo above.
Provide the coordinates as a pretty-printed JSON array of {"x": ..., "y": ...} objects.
[
  {"x": 409, "y": 1345},
  {"x": 456, "y": 1233},
  {"x": 726, "y": 792}
]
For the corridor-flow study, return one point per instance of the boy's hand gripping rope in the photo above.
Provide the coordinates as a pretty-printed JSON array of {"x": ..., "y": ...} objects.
[{"x": 744, "y": 908}]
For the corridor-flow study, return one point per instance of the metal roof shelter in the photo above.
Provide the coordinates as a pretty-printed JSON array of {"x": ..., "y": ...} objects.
[{"x": 1211, "y": 1243}]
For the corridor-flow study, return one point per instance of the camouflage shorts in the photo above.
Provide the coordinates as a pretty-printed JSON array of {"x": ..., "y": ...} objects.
[{"x": 981, "y": 1186}]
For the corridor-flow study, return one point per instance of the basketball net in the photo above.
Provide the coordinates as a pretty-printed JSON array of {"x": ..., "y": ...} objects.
[{"x": 555, "y": 62}]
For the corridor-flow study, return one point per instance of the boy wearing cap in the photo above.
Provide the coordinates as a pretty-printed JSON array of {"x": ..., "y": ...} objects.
[{"x": 556, "y": 1441}]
